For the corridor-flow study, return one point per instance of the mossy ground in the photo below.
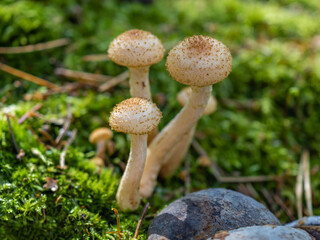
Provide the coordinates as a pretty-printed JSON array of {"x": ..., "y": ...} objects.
[{"x": 268, "y": 108}]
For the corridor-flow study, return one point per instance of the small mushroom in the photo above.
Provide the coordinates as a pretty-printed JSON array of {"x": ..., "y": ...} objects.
[
  {"x": 199, "y": 62},
  {"x": 137, "y": 50},
  {"x": 174, "y": 159},
  {"x": 138, "y": 117},
  {"x": 100, "y": 137}
]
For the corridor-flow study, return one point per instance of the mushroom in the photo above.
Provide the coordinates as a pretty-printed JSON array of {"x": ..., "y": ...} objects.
[
  {"x": 137, "y": 50},
  {"x": 100, "y": 137},
  {"x": 174, "y": 159},
  {"x": 138, "y": 117},
  {"x": 198, "y": 61}
]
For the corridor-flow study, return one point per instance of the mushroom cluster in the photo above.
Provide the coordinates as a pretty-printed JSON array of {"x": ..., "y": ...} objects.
[{"x": 198, "y": 62}]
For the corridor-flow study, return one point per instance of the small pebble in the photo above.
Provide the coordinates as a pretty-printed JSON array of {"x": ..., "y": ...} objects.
[
  {"x": 201, "y": 214},
  {"x": 267, "y": 232}
]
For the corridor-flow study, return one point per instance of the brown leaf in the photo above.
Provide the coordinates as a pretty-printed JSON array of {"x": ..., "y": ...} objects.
[{"x": 51, "y": 184}]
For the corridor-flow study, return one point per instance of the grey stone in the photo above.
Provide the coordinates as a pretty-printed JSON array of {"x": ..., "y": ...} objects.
[
  {"x": 263, "y": 232},
  {"x": 305, "y": 221},
  {"x": 201, "y": 214},
  {"x": 308, "y": 224}
]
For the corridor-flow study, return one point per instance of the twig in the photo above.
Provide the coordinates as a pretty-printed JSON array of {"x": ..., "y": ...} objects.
[
  {"x": 63, "y": 153},
  {"x": 26, "y": 76},
  {"x": 247, "y": 179},
  {"x": 12, "y": 135},
  {"x": 299, "y": 187},
  {"x": 114, "y": 81},
  {"x": 30, "y": 113},
  {"x": 66, "y": 125},
  {"x": 141, "y": 220},
  {"x": 251, "y": 190},
  {"x": 95, "y": 58},
  {"x": 269, "y": 199},
  {"x": 85, "y": 77},
  {"x": 35, "y": 47},
  {"x": 47, "y": 136},
  {"x": 307, "y": 183},
  {"x": 287, "y": 210}
]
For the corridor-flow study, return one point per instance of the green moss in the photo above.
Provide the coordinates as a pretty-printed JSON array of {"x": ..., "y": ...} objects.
[{"x": 275, "y": 77}]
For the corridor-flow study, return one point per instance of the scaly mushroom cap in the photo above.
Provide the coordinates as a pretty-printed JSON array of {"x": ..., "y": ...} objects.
[
  {"x": 135, "y": 116},
  {"x": 100, "y": 134},
  {"x": 136, "y": 48},
  {"x": 183, "y": 97},
  {"x": 199, "y": 61}
]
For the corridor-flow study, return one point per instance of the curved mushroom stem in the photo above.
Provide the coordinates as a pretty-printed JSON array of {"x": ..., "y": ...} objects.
[
  {"x": 101, "y": 149},
  {"x": 140, "y": 87},
  {"x": 171, "y": 135},
  {"x": 128, "y": 196},
  {"x": 175, "y": 157}
]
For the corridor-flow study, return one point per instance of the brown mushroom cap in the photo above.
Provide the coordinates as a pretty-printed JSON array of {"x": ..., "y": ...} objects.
[
  {"x": 183, "y": 97},
  {"x": 199, "y": 61},
  {"x": 136, "y": 48},
  {"x": 135, "y": 116},
  {"x": 100, "y": 134}
]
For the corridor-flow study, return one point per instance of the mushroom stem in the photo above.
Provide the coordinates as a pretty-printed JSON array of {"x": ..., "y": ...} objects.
[
  {"x": 128, "y": 196},
  {"x": 173, "y": 160},
  {"x": 140, "y": 87},
  {"x": 171, "y": 135},
  {"x": 139, "y": 82},
  {"x": 101, "y": 148}
]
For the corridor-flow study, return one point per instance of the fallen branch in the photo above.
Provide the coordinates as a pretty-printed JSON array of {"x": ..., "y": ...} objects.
[
  {"x": 26, "y": 76},
  {"x": 114, "y": 81},
  {"x": 35, "y": 47},
  {"x": 87, "y": 78},
  {"x": 141, "y": 220},
  {"x": 95, "y": 58}
]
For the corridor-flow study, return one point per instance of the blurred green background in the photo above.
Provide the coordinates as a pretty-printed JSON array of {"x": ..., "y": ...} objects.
[{"x": 268, "y": 107}]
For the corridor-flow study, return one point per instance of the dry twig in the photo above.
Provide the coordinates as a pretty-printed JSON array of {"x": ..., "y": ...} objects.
[
  {"x": 299, "y": 188},
  {"x": 141, "y": 220},
  {"x": 26, "y": 76},
  {"x": 303, "y": 181},
  {"x": 35, "y": 47},
  {"x": 307, "y": 181},
  {"x": 114, "y": 81},
  {"x": 30, "y": 113},
  {"x": 85, "y": 77}
]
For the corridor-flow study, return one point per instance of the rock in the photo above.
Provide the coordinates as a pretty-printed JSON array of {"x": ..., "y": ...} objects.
[
  {"x": 201, "y": 214},
  {"x": 308, "y": 224},
  {"x": 306, "y": 221},
  {"x": 268, "y": 232}
]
